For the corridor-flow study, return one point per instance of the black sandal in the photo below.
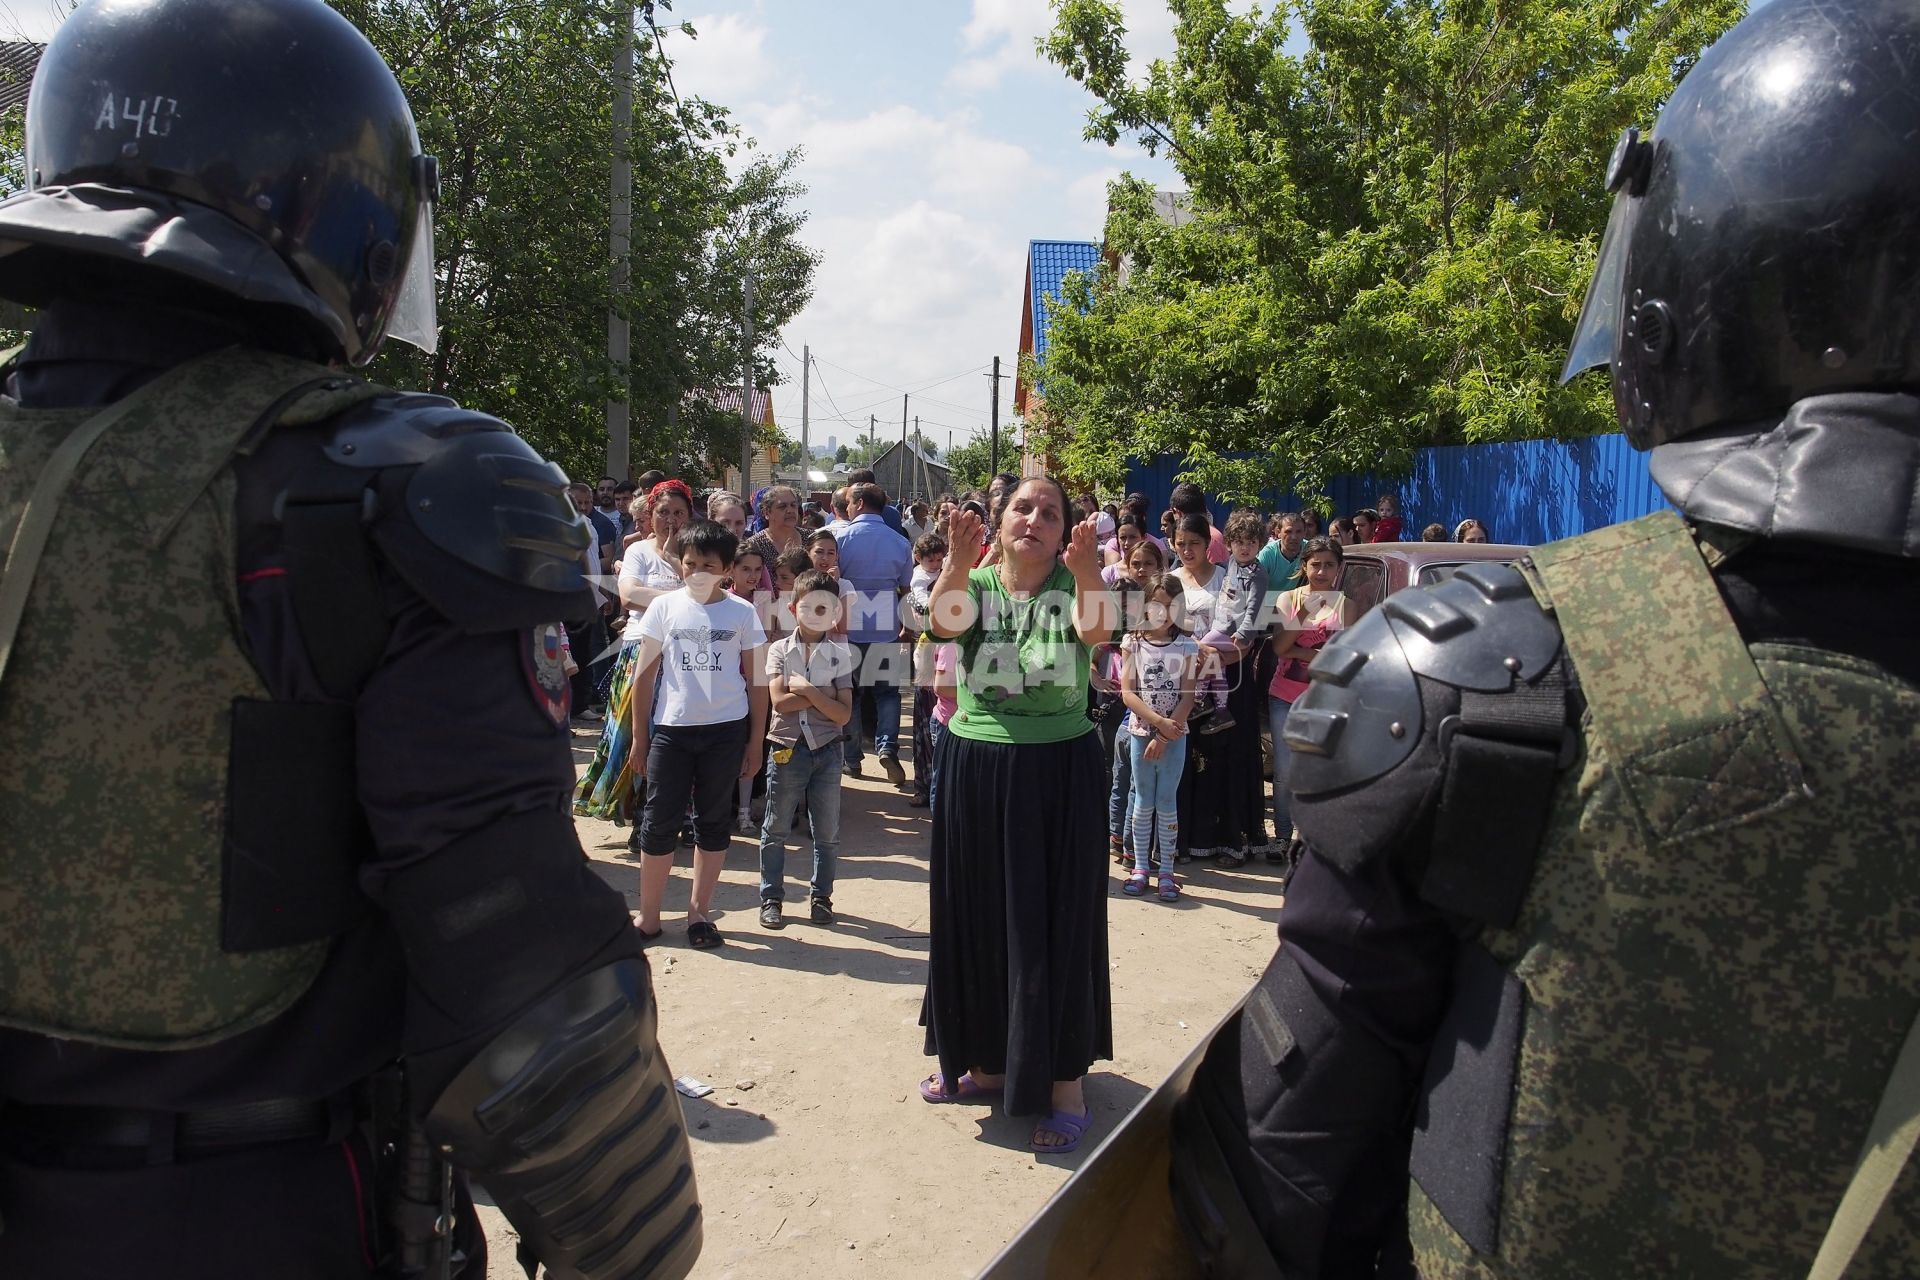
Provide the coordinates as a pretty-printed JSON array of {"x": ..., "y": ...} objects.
[
  {"x": 1231, "y": 858},
  {"x": 702, "y": 936}
]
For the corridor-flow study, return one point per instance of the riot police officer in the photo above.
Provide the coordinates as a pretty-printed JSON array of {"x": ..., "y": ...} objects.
[
  {"x": 284, "y": 764},
  {"x": 1607, "y": 935}
]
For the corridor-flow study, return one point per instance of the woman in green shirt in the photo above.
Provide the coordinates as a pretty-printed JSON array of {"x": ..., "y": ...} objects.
[{"x": 1017, "y": 997}]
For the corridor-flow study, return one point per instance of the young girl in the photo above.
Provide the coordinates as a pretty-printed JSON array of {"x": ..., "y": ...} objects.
[
  {"x": 1307, "y": 617},
  {"x": 1157, "y": 665},
  {"x": 823, "y": 554},
  {"x": 1145, "y": 561},
  {"x": 748, "y": 565},
  {"x": 745, "y": 581}
]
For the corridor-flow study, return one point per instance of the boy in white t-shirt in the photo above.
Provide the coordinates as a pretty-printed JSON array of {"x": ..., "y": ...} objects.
[{"x": 703, "y": 647}]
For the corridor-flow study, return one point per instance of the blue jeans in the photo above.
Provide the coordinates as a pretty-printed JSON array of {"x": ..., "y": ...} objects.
[
  {"x": 882, "y": 684},
  {"x": 815, "y": 775},
  {"x": 1282, "y": 758},
  {"x": 1122, "y": 789},
  {"x": 1156, "y": 798},
  {"x": 935, "y": 732}
]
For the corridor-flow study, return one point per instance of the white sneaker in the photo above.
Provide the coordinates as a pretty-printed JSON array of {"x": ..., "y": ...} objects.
[{"x": 745, "y": 821}]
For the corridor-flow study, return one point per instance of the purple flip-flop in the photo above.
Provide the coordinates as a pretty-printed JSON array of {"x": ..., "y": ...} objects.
[
  {"x": 967, "y": 1090},
  {"x": 1067, "y": 1125}
]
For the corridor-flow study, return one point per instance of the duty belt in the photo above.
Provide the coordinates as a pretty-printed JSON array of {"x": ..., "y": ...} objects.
[{"x": 128, "y": 1137}]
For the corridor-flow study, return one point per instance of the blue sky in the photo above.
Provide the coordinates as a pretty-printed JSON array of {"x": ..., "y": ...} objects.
[{"x": 938, "y": 144}]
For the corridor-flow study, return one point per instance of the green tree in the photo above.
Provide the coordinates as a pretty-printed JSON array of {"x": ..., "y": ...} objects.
[
  {"x": 841, "y": 455},
  {"x": 1388, "y": 238},
  {"x": 517, "y": 102},
  {"x": 968, "y": 464}
]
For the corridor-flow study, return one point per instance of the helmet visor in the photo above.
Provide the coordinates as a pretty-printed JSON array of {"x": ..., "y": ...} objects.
[
  {"x": 414, "y": 320},
  {"x": 1593, "y": 336}
]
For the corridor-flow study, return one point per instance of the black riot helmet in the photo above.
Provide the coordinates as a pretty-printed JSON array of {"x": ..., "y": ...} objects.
[
  {"x": 257, "y": 147},
  {"x": 1764, "y": 244}
]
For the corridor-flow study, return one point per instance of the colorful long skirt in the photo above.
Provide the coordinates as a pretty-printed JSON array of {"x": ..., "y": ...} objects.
[{"x": 606, "y": 790}]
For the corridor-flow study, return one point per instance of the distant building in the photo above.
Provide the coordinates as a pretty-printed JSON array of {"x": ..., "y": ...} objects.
[
  {"x": 906, "y": 473},
  {"x": 1048, "y": 262},
  {"x": 765, "y": 458}
]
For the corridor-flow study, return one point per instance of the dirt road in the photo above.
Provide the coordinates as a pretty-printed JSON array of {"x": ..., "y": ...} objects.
[{"x": 815, "y": 1154}]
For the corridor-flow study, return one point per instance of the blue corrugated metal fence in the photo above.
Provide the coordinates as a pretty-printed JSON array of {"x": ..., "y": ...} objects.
[{"x": 1527, "y": 491}]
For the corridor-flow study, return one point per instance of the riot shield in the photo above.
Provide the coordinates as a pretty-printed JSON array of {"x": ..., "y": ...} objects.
[{"x": 1115, "y": 1218}]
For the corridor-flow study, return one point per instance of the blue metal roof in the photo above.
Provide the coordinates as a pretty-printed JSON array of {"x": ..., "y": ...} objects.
[{"x": 1048, "y": 261}]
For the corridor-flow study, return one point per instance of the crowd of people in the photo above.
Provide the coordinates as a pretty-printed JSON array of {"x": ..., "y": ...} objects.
[{"x": 1013, "y": 645}]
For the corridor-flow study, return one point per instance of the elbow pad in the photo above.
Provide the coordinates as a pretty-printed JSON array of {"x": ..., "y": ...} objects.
[{"x": 570, "y": 1120}]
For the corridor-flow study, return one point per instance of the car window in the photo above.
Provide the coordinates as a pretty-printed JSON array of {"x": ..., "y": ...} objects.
[
  {"x": 1364, "y": 582},
  {"x": 1432, "y": 573}
]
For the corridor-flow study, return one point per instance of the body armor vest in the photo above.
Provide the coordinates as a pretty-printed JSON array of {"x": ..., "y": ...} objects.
[
  {"x": 1716, "y": 962},
  {"x": 121, "y": 664}
]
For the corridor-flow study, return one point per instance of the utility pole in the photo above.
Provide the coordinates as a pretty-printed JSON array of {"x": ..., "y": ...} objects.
[
  {"x": 619, "y": 336},
  {"x": 873, "y": 436},
  {"x": 746, "y": 387},
  {"x": 806, "y": 447},
  {"x": 993, "y": 450},
  {"x": 903, "y": 445}
]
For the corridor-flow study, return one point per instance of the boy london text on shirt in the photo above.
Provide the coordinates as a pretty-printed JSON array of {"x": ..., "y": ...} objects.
[{"x": 700, "y": 648}]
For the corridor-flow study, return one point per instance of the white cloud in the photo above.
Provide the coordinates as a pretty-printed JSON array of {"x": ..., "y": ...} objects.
[
  {"x": 724, "y": 62},
  {"x": 999, "y": 39}
]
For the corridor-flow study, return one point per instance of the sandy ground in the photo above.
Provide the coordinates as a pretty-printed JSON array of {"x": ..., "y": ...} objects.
[{"x": 816, "y": 1156}]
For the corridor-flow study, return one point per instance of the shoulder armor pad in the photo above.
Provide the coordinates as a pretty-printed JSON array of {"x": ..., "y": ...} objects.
[
  {"x": 1481, "y": 630},
  {"x": 471, "y": 515}
]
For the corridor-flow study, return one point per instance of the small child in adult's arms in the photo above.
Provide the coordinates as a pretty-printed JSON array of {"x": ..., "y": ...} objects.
[
  {"x": 703, "y": 648},
  {"x": 810, "y": 674},
  {"x": 1241, "y": 622},
  {"x": 1157, "y": 664}
]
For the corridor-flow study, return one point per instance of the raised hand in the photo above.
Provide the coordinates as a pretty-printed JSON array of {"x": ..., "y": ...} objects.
[
  {"x": 1083, "y": 548},
  {"x": 963, "y": 540}
]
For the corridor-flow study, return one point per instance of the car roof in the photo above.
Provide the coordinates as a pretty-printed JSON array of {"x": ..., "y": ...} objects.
[{"x": 1419, "y": 553}]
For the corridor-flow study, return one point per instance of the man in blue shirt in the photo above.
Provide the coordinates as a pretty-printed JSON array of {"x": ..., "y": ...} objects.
[{"x": 877, "y": 563}]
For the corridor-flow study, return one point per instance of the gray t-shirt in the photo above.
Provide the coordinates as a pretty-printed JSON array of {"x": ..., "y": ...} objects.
[{"x": 828, "y": 663}]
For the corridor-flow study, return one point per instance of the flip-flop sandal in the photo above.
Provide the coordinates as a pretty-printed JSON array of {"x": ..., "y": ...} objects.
[
  {"x": 933, "y": 1089},
  {"x": 646, "y": 937},
  {"x": 702, "y": 936},
  {"x": 1064, "y": 1124}
]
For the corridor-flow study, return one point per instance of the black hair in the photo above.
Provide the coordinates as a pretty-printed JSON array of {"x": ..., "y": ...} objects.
[
  {"x": 805, "y": 584},
  {"x": 794, "y": 562},
  {"x": 710, "y": 539},
  {"x": 930, "y": 544},
  {"x": 1314, "y": 546},
  {"x": 1188, "y": 499},
  {"x": 1195, "y": 522},
  {"x": 815, "y": 535},
  {"x": 648, "y": 479}
]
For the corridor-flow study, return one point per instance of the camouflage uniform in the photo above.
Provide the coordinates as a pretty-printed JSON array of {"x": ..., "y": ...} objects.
[
  {"x": 295, "y": 930},
  {"x": 1602, "y": 961}
]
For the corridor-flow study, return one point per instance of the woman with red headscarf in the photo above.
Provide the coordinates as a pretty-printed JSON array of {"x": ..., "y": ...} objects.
[{"x": 650, "y": 568}]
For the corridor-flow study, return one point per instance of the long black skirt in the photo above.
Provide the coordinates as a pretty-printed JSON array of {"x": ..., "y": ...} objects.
[
  {"x": 1222, "y": 797},
  {"x": 1017, "y": 968}
]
